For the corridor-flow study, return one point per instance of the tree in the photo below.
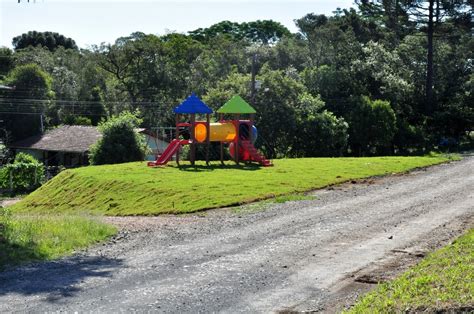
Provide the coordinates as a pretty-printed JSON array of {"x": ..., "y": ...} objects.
[
  {"x": 23, "y": 107},
  {"x": 37, "y": 55},
  {"x": 388, "y": 14},
  {"x": 335, "y": 40},
  {"x": 265, "y": 32},
  {"x": 219, "y": 58},
  {"x": 372, "y": 126},
  {"x": 455, "y": 118},
  {"x": 430, "y": 17},
  {"x": 77, "y": 120},
  {"x": 334, "y": 87},
  {"x": 120, "y": 142},
  {"x": 318, "y": 131},
  {"x": 49, "y": 40},
  {"x": 95, "y": 108},
  {"x": 235, "y": 83},
  {"x": 275, "y": 103},
  {"x": 6, "y": 61},
  {"x": 24, "y": 174},
  {"x": 261, "y": 31},
  {"x": 387, "y": 76},
  {"x": 289, "y": 52}
]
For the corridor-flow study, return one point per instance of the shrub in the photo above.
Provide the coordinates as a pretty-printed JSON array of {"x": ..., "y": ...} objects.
[
  {"x": 372, "y": 126},
  {"x": 4, "y": 154},
  {"x": 319, "y": 132},
  {"x": 80, "y": 120},
  {"x": 25, "y": 173},
  {"x": 120, "y": 142}
]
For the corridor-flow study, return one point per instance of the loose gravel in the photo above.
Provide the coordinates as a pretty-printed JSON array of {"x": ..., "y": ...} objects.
[{"x": 267, "y": 258}]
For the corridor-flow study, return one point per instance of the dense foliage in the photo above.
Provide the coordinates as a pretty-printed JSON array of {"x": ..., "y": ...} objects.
[
  {"x": 24, "y": 174},
  {"x": 390, "y": 77},
  {"x": 120, "y": 142},
  {"x": 49, "y": 40}
]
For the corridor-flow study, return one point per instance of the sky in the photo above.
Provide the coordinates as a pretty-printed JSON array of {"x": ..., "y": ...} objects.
[{"x": 91, "y": 22}]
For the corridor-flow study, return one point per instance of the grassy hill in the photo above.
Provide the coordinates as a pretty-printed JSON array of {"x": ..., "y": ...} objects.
[{"x": 134, "y": 189}]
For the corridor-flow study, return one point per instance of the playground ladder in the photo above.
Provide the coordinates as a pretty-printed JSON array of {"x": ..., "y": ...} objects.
[{"x": 256, "y": 155}]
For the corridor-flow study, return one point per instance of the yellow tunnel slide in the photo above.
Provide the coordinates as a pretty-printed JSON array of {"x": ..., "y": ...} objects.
[{"x": 219, "y": 132}]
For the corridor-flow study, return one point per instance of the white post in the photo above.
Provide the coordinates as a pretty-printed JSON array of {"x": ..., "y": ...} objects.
[{"x": 11, "y": 181}]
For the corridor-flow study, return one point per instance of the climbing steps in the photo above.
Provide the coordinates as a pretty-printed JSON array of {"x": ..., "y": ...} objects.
[{"x": 255, "y": 154}]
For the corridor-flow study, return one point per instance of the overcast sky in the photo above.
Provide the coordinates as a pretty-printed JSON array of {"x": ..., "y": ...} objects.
[{"x": 92, "y": 22}]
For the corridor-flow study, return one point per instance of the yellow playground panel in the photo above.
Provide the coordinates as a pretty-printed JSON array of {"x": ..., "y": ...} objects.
[{"x": 219, "y": 132}]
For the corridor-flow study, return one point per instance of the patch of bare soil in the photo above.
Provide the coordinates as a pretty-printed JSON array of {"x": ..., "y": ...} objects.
[{"x": 9, "y": 201}]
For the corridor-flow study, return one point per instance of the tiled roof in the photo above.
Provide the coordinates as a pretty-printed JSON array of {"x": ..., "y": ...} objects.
[{"x": 66, "y": 138}]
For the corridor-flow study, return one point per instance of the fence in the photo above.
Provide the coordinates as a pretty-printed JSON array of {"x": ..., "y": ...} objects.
[{"x": 24, "y": 177}]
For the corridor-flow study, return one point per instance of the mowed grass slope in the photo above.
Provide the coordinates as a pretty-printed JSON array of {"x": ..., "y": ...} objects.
[{"x": 135, "y": 189}]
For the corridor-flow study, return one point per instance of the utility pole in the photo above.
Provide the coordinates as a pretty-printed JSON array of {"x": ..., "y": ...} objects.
[
  {"x": 252, "y": 88},
  {"x": 41, "y": 123},
  {"x": 429, "y": 64}
]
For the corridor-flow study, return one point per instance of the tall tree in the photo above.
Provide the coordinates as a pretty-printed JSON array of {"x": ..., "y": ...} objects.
[
  {"x": 23, "y": 107},
  {"x": 50, "y": 40},
  {"x": 430, "y": 14},
  {"x": 6, "y": 61},
  {"x": 261, "y": 31},
  {"x": 429, "y": 17}
]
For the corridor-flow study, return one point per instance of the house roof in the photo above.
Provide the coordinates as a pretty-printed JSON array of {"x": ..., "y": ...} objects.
[
  {"x": 66, "y": 138},
  {"x": 236, "y": 105},
  {"x": 192, "y": 105},
  {"x": 5, "y": 87}
]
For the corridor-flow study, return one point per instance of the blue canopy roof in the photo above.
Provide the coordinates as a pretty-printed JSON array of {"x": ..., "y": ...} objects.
[{"x": 191, "y": 105}]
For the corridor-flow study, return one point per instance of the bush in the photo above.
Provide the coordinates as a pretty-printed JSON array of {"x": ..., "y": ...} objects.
[
  {"x": 80, "y": 120},
  {"x": 120, "y": 142},
  {"x": 372, "y": 126},
  {"x": 4, "y": 154},
  {"x": 319, "y": 132},
  {"x": 25, "y": 173}
]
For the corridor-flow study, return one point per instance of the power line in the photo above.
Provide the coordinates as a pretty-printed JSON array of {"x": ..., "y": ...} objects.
[
  {"x": 78, "y": 101},
  {"x": 42, "y": 113}
]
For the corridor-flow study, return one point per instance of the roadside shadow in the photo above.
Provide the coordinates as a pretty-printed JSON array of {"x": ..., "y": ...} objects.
[
  {"x": 9, "y": 252},
  {"x": 204, "y": 168},
  {"x": 56, "y": 279}
]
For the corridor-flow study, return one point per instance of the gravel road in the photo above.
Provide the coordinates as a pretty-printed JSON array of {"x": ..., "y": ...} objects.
[{"x": 291, "y": 256}]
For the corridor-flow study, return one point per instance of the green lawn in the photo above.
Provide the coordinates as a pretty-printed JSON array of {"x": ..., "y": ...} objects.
[
  {"x": 442, "y": 281},
  {"x": 135, "y": 189},
  {"x": 41, "y": 237}
]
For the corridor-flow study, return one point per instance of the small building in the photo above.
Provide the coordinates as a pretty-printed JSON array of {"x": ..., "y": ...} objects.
[{"x": 68, "y": 145}]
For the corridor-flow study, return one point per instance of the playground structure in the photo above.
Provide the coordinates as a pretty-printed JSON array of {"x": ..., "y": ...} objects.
[{"x": 238, "y": 134}]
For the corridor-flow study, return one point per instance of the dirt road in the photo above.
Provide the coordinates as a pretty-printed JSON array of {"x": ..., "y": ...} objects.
[{"x": 306, "y": 255}]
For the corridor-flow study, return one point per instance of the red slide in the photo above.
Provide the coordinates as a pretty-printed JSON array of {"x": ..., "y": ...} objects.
[
  {"x": 168, "y": 153},
  {"x": 255, "y": 154}
]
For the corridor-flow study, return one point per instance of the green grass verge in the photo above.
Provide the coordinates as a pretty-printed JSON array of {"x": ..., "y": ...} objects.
[
  {"x": 135, "y": 189},
  {"x": 444, "y": 280},
  {"x": 26, "y": 238}
]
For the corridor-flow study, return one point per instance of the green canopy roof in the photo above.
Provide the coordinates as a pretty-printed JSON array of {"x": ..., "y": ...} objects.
[{"x": 236, "y": 105}]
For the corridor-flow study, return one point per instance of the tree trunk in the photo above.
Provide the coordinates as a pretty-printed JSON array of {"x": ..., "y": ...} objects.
[
  {"x": 429, "y": 64},
  {"x": 252, "y": 87}
]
